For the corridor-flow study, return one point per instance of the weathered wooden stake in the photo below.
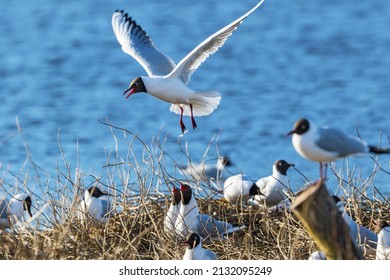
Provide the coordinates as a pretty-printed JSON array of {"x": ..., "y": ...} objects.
[{"x": 318, "y": 212}]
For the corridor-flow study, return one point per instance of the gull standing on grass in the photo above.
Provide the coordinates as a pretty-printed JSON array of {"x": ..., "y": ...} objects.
[
  {"x": 365, "y": 239},
  {"x": 11, "y": 210},
  {"x": 207, "y": 171},
  {"x": 273, "y": 188},
  {"x": 326, "y": 144},
  {"x": 189, "y": 219},
  {"x": 166, "y": 80},
  {"x": 95, "y": 207},
  {"x": 195, "y": 251},
  {"x": 383, "y": 246}
]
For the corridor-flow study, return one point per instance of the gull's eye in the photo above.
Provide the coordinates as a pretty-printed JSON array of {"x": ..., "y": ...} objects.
[{"x": 135, "y": 84}]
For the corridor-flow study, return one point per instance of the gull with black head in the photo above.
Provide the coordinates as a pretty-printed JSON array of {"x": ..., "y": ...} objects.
[
  {"x": 12, "y": 210},
  {"x": 206, "y": 171},
  {"x": 96, "y": 207},
  {"x": 190, "y": 220},
  {"x": 273, "y": 188},
  {"x": 195, "y": 251},
  {"x": 327, "y": 144},
  {"x": 166, "y": 80},
  {"x": 239, "y": 188},
  {"x": 173, "y": 211}
]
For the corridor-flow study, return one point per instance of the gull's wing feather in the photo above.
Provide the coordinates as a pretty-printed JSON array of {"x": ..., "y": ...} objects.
[
  {"x": 209, "y": 46},
  {"x": 137, "y": 43},
  {"x": 334, "y": 140}
]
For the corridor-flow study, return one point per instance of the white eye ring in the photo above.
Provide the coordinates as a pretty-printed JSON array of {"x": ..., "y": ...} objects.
[{"x": 136, "y": 84}]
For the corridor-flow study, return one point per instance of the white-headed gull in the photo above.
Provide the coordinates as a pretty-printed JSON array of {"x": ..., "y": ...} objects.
[
  {"x": 173, "y": 211},
  {"x": 364, "y": 238},
  {"x": 207, "y": 171},
  {"x": 96, "y": 206},
  {"x": 273, "y": 188},
  {"x": 326, "y": 144},
  {"x": 190, "y": 220},
  {"x": 383, "y": 246},
  {"x": 166, "y": 80},
  {"x": 11, "y": 210},
  {"x": 239, "y": 188},
  {"x": 195, "y": 251}
]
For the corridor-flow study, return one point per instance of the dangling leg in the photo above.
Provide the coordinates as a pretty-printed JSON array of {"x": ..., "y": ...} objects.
[
  {"x": 321, "y": 170},
  {"x": 182, "y": 126},
  {"x": 192, "y": 118}
]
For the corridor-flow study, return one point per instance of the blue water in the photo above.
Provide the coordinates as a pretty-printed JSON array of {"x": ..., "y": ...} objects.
[{"x": 62, "y": 70}]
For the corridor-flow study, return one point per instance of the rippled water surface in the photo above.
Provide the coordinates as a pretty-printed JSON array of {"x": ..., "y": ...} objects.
[{"x": 62, "y": 70}]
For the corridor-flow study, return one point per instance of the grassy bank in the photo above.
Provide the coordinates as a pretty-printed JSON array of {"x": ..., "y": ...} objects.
[{"x": 135, "y": 230}]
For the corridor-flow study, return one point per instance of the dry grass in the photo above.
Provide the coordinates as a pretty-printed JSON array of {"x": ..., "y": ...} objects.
[{"x": 135, "y": 230}]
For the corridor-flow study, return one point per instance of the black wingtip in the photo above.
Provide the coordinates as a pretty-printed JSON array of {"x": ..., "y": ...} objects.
[
  {"x": 336, "y": 198},
  {"x": 377, "y": 150}
]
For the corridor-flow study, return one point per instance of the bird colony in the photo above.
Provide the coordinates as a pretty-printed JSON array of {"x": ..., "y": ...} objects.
[{"x": 193, "y": 226}]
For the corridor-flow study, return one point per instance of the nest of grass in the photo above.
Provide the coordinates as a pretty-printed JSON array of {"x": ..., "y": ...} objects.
[{"x": 138, "y": 234}]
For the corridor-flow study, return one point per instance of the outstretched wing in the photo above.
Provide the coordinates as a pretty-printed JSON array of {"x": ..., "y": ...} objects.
[
  {"x": 209, "y": 46},
  {"x": 137, "y": 43}
]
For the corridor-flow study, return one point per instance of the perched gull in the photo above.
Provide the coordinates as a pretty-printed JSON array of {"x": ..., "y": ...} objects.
[
  {"x": 207, "y": 171},
  {"x": 383, "y": 246},
  {"x": 239, "y": 188},
  {"x": 190, "y": 220},
  {"x": 273, "y": 187},
  {"x": 166, "y": 80},
  {"x": 95, "y": 207},
  {"x": 326, "y": 144},
  {"x": 364, "y": 238},
  {"x": 11, "y": 210},
  {"x": 195, "y": 251},
  {"x": 173, "y": 211}
]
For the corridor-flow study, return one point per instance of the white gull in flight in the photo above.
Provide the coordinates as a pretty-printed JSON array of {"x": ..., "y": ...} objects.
[{"x": 166, "y": 80}]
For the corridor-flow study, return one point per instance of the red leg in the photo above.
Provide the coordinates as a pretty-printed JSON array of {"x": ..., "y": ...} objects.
[
  {"x": 192, "y": 118},
  {"x": 182, "y": 126}
]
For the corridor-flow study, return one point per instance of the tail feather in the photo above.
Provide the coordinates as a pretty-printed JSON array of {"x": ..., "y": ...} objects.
[
  {"x": 377, "y": 150},
  {"x": 203, "y": 104}
]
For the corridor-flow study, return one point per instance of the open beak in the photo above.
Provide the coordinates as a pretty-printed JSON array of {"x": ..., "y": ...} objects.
[
  {"x": 182, "y": 187},
  {"x": 130, "y": 91}
]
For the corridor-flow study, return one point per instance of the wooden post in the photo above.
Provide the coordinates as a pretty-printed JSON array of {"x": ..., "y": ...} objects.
[{"x": 317, "y": 211}]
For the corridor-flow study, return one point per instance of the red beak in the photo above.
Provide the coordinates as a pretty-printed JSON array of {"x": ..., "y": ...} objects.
[
  {"x": 182, "y": 187},
  {"x": 130, "y": 90}
]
